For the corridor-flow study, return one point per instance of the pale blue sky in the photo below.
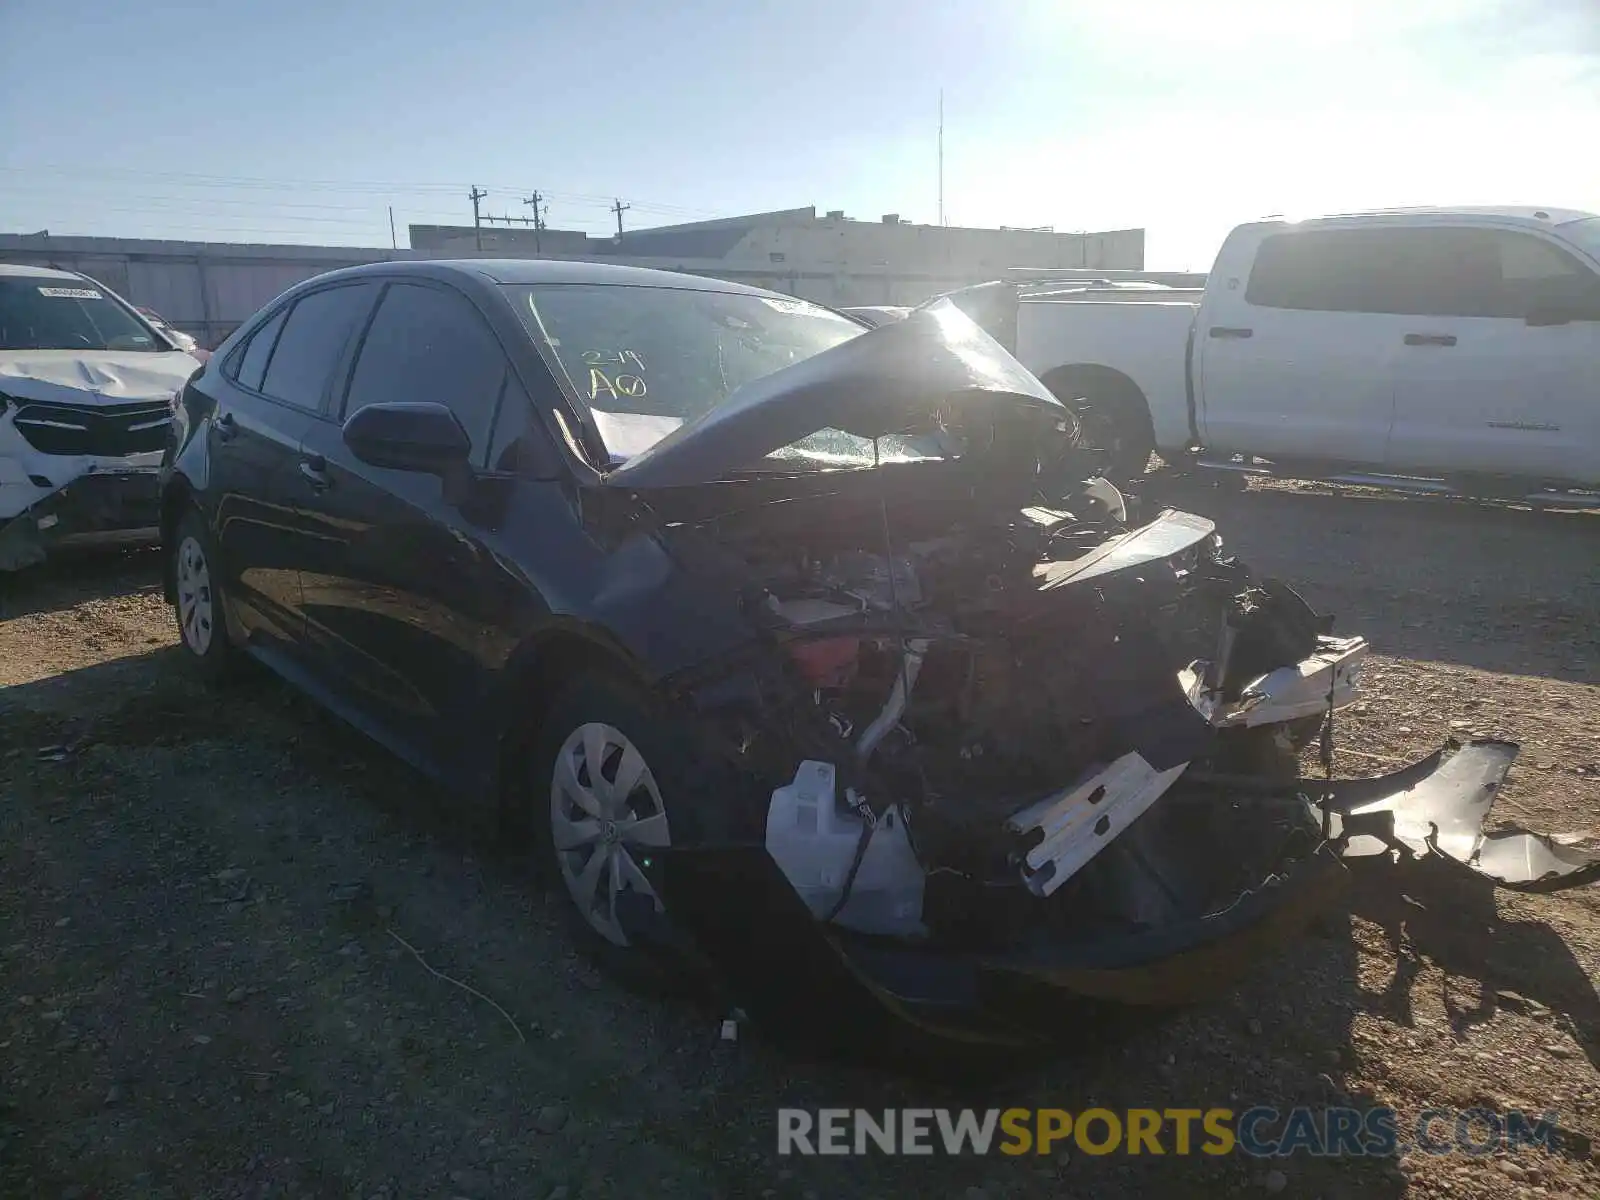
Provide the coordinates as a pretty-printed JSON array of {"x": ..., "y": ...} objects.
[{"x": 301, "y": 120}]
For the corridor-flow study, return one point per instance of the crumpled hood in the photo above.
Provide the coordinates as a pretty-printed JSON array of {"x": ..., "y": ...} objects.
[
  {"x": 84, "y": 376},
  {"x": 893, "y": 379}
]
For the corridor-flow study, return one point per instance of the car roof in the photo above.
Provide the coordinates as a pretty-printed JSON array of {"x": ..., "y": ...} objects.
[
  {"x": 1514, "y": 214},
  {"x": 25, "y": 271},
  {"x": 547, "y": 270}
]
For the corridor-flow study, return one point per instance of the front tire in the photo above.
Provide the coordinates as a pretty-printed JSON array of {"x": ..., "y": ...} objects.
[
  {"x": 198, "y": 602},
  {"x": 612, "y": 779}
]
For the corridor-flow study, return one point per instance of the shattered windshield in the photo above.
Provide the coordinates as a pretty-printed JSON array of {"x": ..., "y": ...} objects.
[
  {"x": 42, "y": 313},
  {"x": 648, "y": 359}
]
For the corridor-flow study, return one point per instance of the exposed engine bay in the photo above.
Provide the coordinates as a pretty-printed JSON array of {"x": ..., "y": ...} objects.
[
  {"x": 1009, "y": 729},
  {"x": 984, "y": 705}
]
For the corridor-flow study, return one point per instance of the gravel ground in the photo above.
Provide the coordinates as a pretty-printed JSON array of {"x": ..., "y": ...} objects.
[{"x": 220, "y": 918}]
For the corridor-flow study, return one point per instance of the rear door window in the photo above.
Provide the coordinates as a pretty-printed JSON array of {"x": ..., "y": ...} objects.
[
  {"x": 313, "y": 341},
  {"x": 430, "y": 345}
]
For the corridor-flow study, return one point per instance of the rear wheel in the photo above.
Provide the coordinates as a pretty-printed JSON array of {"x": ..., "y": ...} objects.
[
  {"x": 198, "y": 602},
  {"x": 1113, "y": 417}
]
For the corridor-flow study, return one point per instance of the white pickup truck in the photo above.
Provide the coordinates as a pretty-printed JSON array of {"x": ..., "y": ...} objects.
[{"x": 1447, "y": 349}]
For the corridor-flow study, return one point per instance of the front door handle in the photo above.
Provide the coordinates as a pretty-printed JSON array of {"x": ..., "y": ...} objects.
[
  {"x": 227, "y": 428},
  {"x": 1430, "y": 339},
  {"x": 315, "y": 469},
  {"x": 1228, "y": 331}
]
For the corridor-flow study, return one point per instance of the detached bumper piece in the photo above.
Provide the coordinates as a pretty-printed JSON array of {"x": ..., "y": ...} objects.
[
  {"x": 100, "y": 507},
  {"x": 1438, "y": 807}
]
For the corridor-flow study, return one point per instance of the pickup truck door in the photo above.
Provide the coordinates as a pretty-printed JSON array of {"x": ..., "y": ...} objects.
[
  {"x": 1288, "y": 367},
  {"x": 1499, "y": 374}
]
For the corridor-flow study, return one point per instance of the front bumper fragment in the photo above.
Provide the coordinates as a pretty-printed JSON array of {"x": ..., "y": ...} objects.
[
  {"x": 889, "y": 999},
  {"x": 882, "y": 998},
  {"x": 1438, "y": 807},
  {"x": 98, "y": 507}
]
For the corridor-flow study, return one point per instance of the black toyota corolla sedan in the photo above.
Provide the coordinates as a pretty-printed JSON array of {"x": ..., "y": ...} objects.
[{"x": 809, "y": 654}]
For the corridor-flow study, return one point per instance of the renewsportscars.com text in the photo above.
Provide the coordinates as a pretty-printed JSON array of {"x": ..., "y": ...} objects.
[{"x": 1260, "y": 1131}]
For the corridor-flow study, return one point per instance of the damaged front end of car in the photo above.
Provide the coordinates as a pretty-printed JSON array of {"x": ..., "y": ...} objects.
[
  {"x": 1000, "y": 760},
  {"x": 81, "y": 438}
]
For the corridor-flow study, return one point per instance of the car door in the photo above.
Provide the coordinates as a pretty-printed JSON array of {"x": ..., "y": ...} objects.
[
  {"x": 1299, "y": 366},
  {"x": 398, "y": 589},
  {"x": 280, "y": 390},
  {"x": 253, "y": 443},
  {"x": 1491, "y": 380}
]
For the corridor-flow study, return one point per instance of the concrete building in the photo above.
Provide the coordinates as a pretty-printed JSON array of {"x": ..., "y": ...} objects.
[
  {"x": 795, "y": 244},
  {"x": 208, "y": 288},
  {"x": 798, "y": 237},
  {"x": 514, "y": 241}
]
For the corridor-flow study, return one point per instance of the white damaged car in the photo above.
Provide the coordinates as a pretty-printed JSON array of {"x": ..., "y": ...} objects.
[{"x": 87, "y": 388}]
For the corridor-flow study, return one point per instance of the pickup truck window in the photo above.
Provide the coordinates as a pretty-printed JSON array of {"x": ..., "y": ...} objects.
[{"x": 1441, "y": 271}]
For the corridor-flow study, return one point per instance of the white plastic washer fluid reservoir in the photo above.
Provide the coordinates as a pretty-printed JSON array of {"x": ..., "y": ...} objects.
[{"x": 813, "y": 839}]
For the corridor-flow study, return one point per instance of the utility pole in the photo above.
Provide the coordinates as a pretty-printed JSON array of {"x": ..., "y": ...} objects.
[
  {"x": 941, "y": 156},
  {"x": 619, "y": 208},
  {"x": 394, "y": 242},
  {"x": 540, "y": 207},
  {"x": 475, "y": 195}
]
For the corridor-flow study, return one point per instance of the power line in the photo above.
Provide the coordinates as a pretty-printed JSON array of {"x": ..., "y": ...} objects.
[{"x": 193, "y": 179}]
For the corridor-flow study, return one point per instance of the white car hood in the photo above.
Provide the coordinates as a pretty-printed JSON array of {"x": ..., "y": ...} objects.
[
  {"x": 87, "y": 379},
  {"x": 84, "y": 376}
]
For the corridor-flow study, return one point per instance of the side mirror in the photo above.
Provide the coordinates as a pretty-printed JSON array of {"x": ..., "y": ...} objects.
[{"x": 408, "y": 437}]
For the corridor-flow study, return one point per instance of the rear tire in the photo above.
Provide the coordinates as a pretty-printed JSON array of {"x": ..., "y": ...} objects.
[
  {"x": 1113, "y": 417},
  {"x": 198, "y": 601}
]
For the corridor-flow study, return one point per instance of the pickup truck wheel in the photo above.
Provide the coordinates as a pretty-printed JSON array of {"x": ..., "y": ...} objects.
[{"x": 1112, "y": 416}]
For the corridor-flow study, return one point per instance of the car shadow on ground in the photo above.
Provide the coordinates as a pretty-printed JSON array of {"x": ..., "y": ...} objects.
[
  {"x": 1434, "y": 911},
  {"x": 64, "y": 580}
]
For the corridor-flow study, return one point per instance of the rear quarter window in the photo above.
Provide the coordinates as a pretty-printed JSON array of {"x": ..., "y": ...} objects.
[{"x": 252, "y": 364}]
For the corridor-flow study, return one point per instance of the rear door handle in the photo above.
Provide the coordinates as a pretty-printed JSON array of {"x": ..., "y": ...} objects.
[
  {"x": 1430, "y": 339},
  {"x": 1228, "y": 331},
  {"x": 227, "y": 428},
  {"x": 315, "y": 469}
]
